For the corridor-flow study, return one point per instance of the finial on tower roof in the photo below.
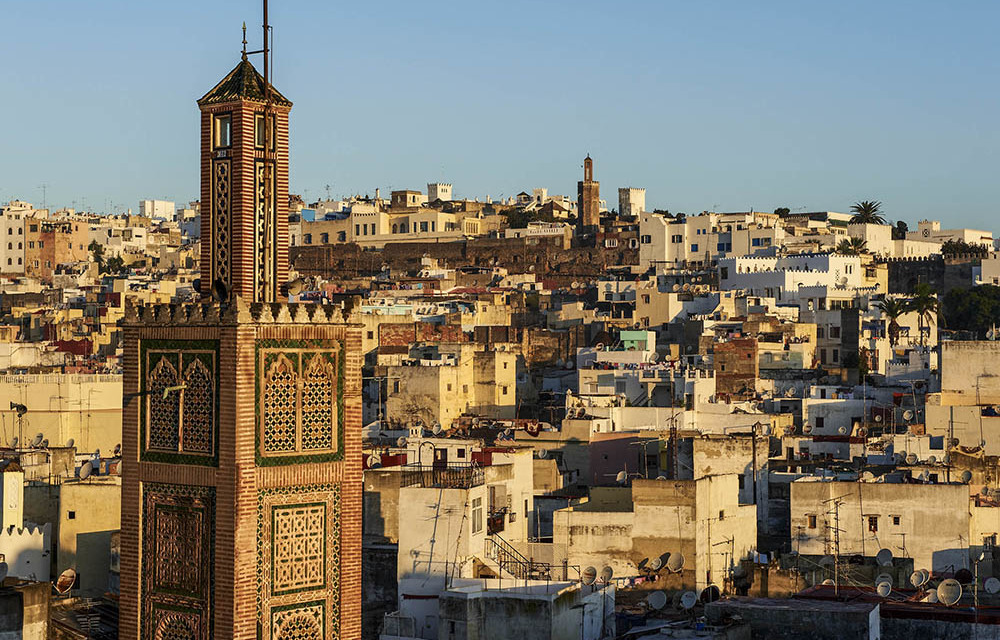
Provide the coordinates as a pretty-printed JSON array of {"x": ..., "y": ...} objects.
[{"x": 244, "y": 40}]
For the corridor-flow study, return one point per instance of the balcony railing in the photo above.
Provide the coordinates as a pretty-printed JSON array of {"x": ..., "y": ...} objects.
[{"x": 453, "y": 476}]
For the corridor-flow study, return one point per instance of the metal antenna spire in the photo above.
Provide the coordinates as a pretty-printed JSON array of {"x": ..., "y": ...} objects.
[{"x": 244, "y": 40}]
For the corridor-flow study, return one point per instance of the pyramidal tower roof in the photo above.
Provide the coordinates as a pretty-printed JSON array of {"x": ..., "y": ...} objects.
[{"x": 242, "y": 83}]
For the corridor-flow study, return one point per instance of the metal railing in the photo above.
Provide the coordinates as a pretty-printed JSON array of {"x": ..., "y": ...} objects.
[
  {"x": 453, "y": 476},
  {"x": 511, "y": 561}
]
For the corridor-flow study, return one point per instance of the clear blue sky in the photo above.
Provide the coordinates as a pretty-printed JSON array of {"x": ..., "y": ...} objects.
[{"x": 706, "y": 104}]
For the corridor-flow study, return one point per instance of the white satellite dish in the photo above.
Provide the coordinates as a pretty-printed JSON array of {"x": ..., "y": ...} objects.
[
  {"x": 878, "y": 417},
  {"x": 657, "y": 600},
  {"x": 656, "y": 563},
  {"x": 992, "y": 586},
  {"x": 916, "y": 578},
  {"x": 966, "y": 477},
  {"x": 883, "y": 577},
  {"x": 661, "y": 478},
  {"x": 911, "y": 458},
  {"x": 588, "y": 576},
  {"x": 65, "y": 581},
  {"x": 842, "y": 431},
  {"x": 932, "y": 460},
  {"x": 932, "y": 597},
  {"x": 883, "y": 589},
  {"x": 401, "y": 441},
  {"x": 37, "y": 440},
  {"x": 807, "y": 429},
  {"x": 949, "y": 592},
  {"x": 689, "y": 599},
  {"x": 606, "y": 574},
  {"x": 543, "y": 454},
  {"x": 13, "y": 443},
  {"x": 907, "y": 415},
  {"x": 374, "y": 461},
  {"x": 883, "y": 557},
  {"x": 621, "y": 477},
  {"x": 436, "y": 428},
  {"x": 86, "y": 470},
  {"x": 828, "y": 582},
  {"x": 675, "y": 562},
  {"x": 925, "y": 576},
  {"x": 675, "y": 288}
]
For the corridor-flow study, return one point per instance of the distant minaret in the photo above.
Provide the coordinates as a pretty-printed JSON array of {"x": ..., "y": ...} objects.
[
  {"x": 244, "y": 223},
  {"x": 588, "y": 202}
]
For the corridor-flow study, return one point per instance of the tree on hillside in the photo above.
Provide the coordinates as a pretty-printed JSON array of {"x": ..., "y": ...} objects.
[
  {"x": 926, "y": 305},
  {"x": 892, "y": 309},
  {"x": 867, "y": 212},
  {"x": 961, "y": 247},
  {"x": 976, "y": 309},
  {"x": 900, "y": 230},
  {"x": 782, "y": 211},
  {"x": 852, "y": 247}
]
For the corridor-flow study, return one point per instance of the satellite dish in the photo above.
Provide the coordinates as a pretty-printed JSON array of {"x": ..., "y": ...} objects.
[
  {"x": 70, "y": 443},
  {"x": 688, "y": 600},
  {"x": 711, "y": 593},
  {"x": 842, "y": 431},
  {"x": 926, "y": 576},
  {"x": 661, "y": 478},
  {"x": 964, "y": 576},
  {"x": 14, "y": 442},
  {"x": 621, "y": 477},
  {"x": 932, "y": 460},
  {"x": 374, "y": 461},
  {"x": 992, "y": 586},
  {"x": 65, "y": 581},
  {"x": 401, "y": 441},
  {"x": 589, "y": 575},
  {"x": 436, "y": 428},
  {"x": 656, "y": 563},
  {"x": 883, "y": 589},
  {"x": 658, "y": 599},
  {"x": 675, "y": 288},
  {"x": 883, "y": 557},
  {"x": 807, "y": 429},
  {"x": 949, "y": 592},
  {"x": 543, "y": 454},
  {"x": 924, "y": 476},
  {"x": 118, "y": 450},
  {"x": 878, "y": 417},
  {"x": 45, "y": 443},
  {"x": 911, "y": 458},
  {"x": 883, "y": 577},
  {"x": 932, "y": 597},
  {"x": 675, "y": 562},
  {"x": 37, "y": 440},
  {"x": 966, "y": 476},
  {"x": 828, "y": 582},
  {"x": 907, "y": 415},
  {"x": 606, "y": 574},
  {"x": 916, "y": 578},
  {"x": 86, "y": 470},
  {"x": 862, "y": 432}
]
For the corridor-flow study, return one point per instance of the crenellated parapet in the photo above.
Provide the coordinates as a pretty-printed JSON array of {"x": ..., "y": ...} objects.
[{"x": 233, "y": 313}]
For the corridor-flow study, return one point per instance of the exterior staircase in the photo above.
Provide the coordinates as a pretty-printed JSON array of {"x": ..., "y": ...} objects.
[{"x": 513, "y": 563}]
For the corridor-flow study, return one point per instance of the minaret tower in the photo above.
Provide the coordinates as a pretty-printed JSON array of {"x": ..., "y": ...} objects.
[
  {"x": 588, "y": 200},
  {"x": 241, "y": 446},
  {"x": 244, "y": 187}
]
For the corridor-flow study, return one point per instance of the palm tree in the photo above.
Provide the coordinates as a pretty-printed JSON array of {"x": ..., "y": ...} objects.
[
  {"x": 893, "y": 308},
  {"x": 867, "y": 212},
  {"x": 926, "y": 305},
  {"x": 852, "y": 247}
]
